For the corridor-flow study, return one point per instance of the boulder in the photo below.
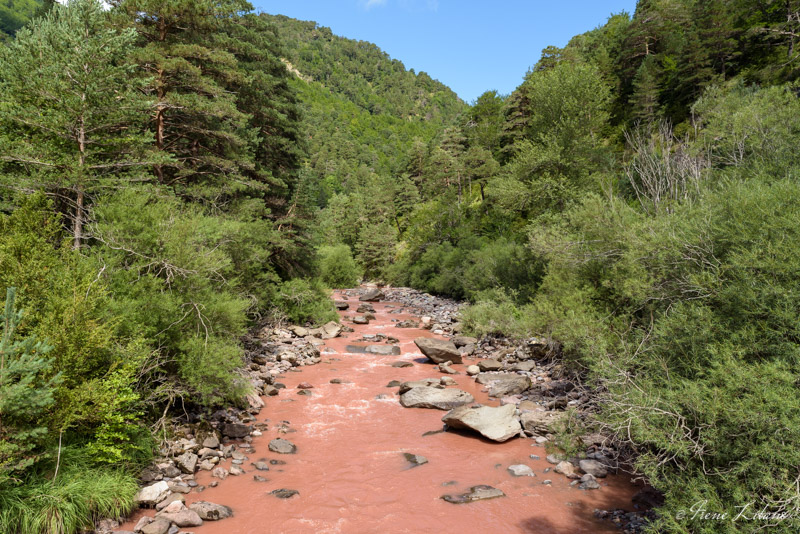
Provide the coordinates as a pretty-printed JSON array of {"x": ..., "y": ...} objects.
[
  {"x": 431, "y": 397},
  {"x": 502, "y": 384},
  {"x": 360, "y": 319},
  {"x": 588, "y": 482},
  {"x": 438, "y": 350},
  {"x": 401, "y": 364},
  {"x": 282, "y": 446},
  {"x": 235, "y": 430},
  {"x": 208, "y": 511},
  {"x": 497, "y": 424},
  {"x": 594, "y": 468},
  {"x": 372, "y": 295},
  {"x": 475, "y": 493},
  {"x": 541, "y": 422},
  {"x": 152, "y": 494},
  {"x": 341, "y": 305},
  {"x": 473, "y": 370}
]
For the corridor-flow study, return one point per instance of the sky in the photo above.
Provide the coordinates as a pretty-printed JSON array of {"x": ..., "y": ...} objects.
[{"x": 470, "y": 45}]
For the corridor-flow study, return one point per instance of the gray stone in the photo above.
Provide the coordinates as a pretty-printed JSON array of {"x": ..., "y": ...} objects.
[
  {"x": 594, "y": 468},
  {"x": 143, "y": 522},
  {"x": 282, "y": 446},
  {"x": 235, "y": 430},
  {"x": 566, "y": 469},
  {"x": 463, "y": 341},
  {"x": 152, "y": 494},
  {"x": 169, "y": 500},
  {"x": 415, "y": 459},
  {"x": 211, "y": 442},
  {"x": 541, "y": 422},
  {"x": 521, "y": 470},
  {"x": 402, "y": 364},
  {"x": 360, "y": 319},
  {"x": 490, "y": 365},
  {"x": 383, "y": 350},
  {"x": 475, "y": 493},
  {"x": 261, "y": 466},
  {"x": 184, "y": 518},
  {"x": 159, "y": 526},
  {"x": 502, "y": 384},
  {"x": 187, "y": 462},
  {"x": 588, "y": 482},
  {"x": 372, "y": 295},
  {"x": 429, "y": 382},
  {"x": 208, "y": 511},
  {"x": 438, "y": 350},
  {"x": 497, "y": 424},
  {"x": 331, "y": 330},
  {"x": 473, "y": 370},
  {"x": 430, "y": 397},
  {"x": 284, "y": 493},
  {"x": 341, "y": 305}
]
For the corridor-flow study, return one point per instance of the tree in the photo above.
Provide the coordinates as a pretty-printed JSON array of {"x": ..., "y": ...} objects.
[
  {"x": 71, "y": 109},
  {"x": 26, "y": 391},
  {"x": 195, "y": 118}
]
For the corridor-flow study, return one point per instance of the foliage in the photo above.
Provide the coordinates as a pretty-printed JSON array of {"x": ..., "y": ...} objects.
[
  {"x": 337, "y": 267},
  {"x": 26, "y": 392},
  {"x": 301, "y": 301},
  {"x": 70, "y": 502}
]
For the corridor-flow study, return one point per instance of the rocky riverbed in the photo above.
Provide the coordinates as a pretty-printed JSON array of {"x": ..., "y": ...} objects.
[{"x": 387, "y": 422}]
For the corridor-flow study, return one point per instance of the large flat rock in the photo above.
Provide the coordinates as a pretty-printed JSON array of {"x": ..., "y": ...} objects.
[
  {"x": 431, "y": 397},
  {"x": 372, "y": 295},
  {"x": 541, "y": 422},
  {"x": 503, "y": 384},
  {"x": 496, "y": 424},
  {"x": 438, "y": 350}
]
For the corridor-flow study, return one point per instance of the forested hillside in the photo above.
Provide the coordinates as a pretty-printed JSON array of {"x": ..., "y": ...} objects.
[{"x": 635, "y": 199}]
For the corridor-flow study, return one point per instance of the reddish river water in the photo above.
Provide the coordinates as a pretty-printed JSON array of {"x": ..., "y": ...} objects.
[{"x": 350, "y": 470}]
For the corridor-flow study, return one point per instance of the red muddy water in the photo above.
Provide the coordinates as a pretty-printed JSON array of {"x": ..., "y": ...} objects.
[{"x": 350, "y": 470}]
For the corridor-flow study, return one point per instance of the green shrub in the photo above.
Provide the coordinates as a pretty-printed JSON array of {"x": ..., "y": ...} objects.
[
  {"x": 337, "y": 267},
  {"x": 301, "y": 301}
]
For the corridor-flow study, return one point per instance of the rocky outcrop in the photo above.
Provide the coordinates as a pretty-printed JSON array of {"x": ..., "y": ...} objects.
[
  {"x": 501, "y": 384},
  {"x": 475, "y": 493}
]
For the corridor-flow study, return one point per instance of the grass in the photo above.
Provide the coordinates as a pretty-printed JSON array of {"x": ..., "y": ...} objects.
[{"x": 79, "y": 495}]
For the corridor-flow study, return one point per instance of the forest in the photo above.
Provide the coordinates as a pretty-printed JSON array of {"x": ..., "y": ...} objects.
[{"x": 175, "y": 173}]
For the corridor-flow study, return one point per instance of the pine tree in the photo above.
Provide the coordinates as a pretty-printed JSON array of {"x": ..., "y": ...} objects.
[
  {"x": 26, "y": 391},
  {"x": 195, "y": 118},
  {"x": 646, "y": 91},
  {"x": 70, "y": 109}
]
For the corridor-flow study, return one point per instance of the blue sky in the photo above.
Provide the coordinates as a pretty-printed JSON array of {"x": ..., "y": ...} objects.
[{"x": 470, "y": 45}]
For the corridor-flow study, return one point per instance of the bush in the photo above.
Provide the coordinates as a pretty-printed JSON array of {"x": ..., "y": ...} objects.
[
  {"x": 301, "y": 301},
  {"x": 337, "y": 267}
]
